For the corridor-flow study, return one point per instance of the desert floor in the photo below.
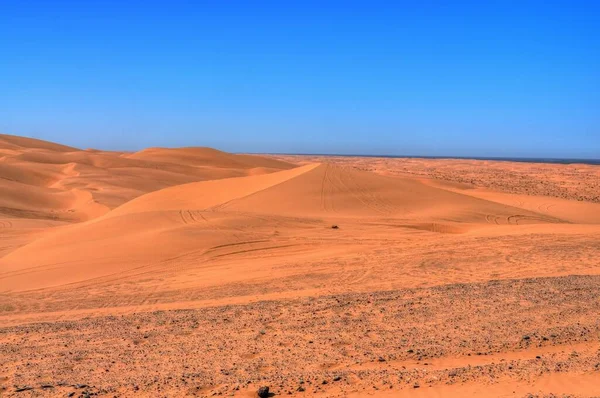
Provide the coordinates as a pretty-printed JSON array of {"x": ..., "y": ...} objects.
[{"x": 194, "y": 272}]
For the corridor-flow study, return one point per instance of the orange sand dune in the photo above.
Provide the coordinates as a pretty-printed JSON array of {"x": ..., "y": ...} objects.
[
  {"x": 410, "y": 278},
  {"x": 207, "y": 157},
  {"x": 14, "y": 142},
  {"x": 195, "y": 218},
  {"x": 40, "y": 180},
  {"x": 51, "y": 172}
]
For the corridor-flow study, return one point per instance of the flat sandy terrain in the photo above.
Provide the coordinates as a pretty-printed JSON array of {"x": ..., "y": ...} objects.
[{"x": 194, "y": 272}]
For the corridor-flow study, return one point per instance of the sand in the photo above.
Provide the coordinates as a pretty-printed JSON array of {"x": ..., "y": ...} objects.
[{"x": 192, "y": 271}]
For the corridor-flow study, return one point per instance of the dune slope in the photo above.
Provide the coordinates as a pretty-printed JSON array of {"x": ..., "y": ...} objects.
[{"x": 196, "y": 217}]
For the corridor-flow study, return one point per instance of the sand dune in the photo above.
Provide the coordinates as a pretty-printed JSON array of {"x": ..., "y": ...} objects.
[
  {"x": 387, "y": 270},
  {"x": 196, "y": 217},
  {"x": 207, "y": 157},
  {"x": 48, "y": 176},
  {"x": 14, "y": 142}
]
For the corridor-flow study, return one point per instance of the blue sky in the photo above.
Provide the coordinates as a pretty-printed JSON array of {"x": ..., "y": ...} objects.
[{"x": 406, "y": 78}]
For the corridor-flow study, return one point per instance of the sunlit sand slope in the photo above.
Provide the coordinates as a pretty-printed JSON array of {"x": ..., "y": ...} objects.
[{"x": 196, "y": 217}]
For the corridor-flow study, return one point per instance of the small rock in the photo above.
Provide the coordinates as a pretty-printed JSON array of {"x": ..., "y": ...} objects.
[
  {"x": 337, "y": 378},
  {"x": 300, "y": 389},
  {"x": 526, "y": 337},
  {"x": 334, "y": 227},
  {"x": 263, "y": 392},
  {"x": 24, "y": 388},
  {"x": 416, "y": 385},
  {"x": 381, "y": 359}
]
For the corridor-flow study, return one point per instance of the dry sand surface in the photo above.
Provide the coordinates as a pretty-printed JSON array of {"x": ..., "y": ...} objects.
[{"x": 194, "y": 272}]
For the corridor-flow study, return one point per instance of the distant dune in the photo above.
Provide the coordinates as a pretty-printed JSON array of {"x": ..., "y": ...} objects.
[{"x": 56, "y": 182}]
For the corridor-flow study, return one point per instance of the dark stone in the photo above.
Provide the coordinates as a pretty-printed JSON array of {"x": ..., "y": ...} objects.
[
  {"x": 263, "y": 392},
  {"x": 24, "y": 388},
  {"x": 526, "y": 337},
  {"x": 335, "y": 227},
  {"x": 416, "y": 385},
  {"x": 381, "y": 359},
  {"x": 337, "y": 378}
]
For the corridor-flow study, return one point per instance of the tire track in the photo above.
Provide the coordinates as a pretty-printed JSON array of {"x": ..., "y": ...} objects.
[{"x": 6, "y": 224}]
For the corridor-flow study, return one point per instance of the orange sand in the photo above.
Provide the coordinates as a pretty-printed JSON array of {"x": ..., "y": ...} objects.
[{"x": 86, "y": 233}]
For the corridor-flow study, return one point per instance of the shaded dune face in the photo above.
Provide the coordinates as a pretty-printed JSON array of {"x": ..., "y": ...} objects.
[{"x": 191, "y": 220}]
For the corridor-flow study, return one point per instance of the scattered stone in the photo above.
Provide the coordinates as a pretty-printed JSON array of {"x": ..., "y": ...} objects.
[
  {"x": 263, "y": 392},
  {"x": 526, "y": 337},
  {"x": 24, "y": 388},
  {"x": 300, "y": 389},
  {"x": 47, "y": 386},
  {"x": 381, "y": 359}
]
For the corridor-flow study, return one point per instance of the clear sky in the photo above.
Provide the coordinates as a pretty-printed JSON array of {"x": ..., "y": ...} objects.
[{"x": 478, "y": 78}]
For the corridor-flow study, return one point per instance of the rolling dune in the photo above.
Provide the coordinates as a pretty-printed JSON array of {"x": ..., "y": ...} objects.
[
  {"x": 198, "y": 216},
  {"x": 399, "y": 279}
]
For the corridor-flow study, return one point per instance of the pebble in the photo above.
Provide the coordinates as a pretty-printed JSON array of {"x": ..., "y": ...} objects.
[{"x": 263, "y": 392}]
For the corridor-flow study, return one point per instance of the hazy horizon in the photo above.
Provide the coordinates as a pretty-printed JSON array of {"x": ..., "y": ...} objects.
[{"x": 484, "y": 80}]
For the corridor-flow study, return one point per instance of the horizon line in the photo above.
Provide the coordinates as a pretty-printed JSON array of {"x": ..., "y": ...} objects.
[{"x": 521, "y": 159}]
